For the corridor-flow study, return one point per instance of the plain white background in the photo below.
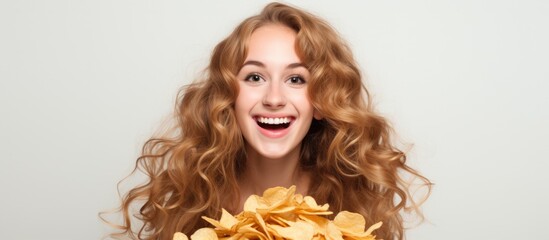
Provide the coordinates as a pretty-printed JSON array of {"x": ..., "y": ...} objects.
[{"x": 84, "y": 83}]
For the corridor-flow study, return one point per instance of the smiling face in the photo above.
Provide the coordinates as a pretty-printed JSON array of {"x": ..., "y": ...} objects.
[{"x": 272, "y": 107}]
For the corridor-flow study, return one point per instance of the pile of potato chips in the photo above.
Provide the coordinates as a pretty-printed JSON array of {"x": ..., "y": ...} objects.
[{"x": 282, "y": 214}]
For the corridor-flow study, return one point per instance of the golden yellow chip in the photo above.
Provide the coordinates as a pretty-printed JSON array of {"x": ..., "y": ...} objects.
[
  {"x": 311, "y": 204},
  {"x": 253, "y": 203},
  {"x": 248, "y": 231},
  {"x": 349, "y": 222},
  {"x": 278, "y": 195},
  {"x": 262, "y": 224},
  {"x": 296, "y": 230},
  {"x": 279, "y": 220},
  {"x": 332, "y": 232},
  {"x": 352, "y": 225},
  {"x": 373, "y": 227},
  {"x": 282, "y": 210},
  {"x": 204, "y": 234},
  {"x": 227, "y": 220},
  {"x": 180, "y": 236},
  {"x": 317, "y": 222}
]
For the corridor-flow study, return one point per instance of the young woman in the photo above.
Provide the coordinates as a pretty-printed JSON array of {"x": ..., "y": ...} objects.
[{"x": 282, "y": 104}]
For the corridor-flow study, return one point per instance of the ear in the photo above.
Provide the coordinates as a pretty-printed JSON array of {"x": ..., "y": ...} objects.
[{"x": 317, "y": 115}]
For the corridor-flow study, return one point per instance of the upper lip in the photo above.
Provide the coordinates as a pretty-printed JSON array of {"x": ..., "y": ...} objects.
[{"x": 273, "y": 116}]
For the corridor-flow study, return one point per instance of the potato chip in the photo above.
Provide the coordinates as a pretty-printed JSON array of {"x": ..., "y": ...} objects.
[
  {"x": 253, "y": 203},
  {"x": 278, "y": 196},
  {"x": 262, "y": 224},
  {"x": 296, "y": 230},
  {"x": 204, "y": 234},
  {"x": 180, "y": 236},
  {"x": 332, "y": 232},
  {"x": 373, "y": 228},
  {"x": 349, "y": 222},
  {"x": 249, "y": 231},
  {"x": 279, "y": 220},
  {"x": 311, "y": 204},
  {"x": 323, "y": 227},
  {"x": 352, "y": 225},
  {"x": 227, "y": 220},
  {"x": 281, "y": 214}
]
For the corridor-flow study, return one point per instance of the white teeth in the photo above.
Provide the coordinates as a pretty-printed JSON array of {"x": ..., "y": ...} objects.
[{"x": 275, "y": 121}]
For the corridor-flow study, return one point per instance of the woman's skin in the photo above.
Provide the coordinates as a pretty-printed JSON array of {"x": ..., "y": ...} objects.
[{"x": 273, "y": 90}]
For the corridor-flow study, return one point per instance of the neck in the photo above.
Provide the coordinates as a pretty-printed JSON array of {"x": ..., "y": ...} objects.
[{"x": 262, "y": 173}]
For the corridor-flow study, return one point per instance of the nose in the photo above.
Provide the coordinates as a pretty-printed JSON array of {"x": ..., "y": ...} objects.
[{"x": 274, "y": 96}]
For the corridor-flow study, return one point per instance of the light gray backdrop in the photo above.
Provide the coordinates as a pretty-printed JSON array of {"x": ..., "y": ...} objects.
[{"x": 84, "y": 83}]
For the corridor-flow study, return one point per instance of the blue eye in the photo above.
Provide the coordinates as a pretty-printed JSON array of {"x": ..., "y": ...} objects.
[
  {"x": 253, "y": 78},
  {"x": 296, "y": 80}
]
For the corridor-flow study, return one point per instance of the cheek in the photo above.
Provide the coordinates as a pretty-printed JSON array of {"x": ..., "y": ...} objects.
[
  {"x": 303, "y": 104},
  {"x": 245, "y": 100}
]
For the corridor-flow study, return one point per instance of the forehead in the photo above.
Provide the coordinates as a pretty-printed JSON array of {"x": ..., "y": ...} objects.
[{"x": 272, "y": 41}]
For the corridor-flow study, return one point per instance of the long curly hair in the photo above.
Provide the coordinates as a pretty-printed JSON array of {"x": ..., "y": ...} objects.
[{"x": 193, "y": 171}]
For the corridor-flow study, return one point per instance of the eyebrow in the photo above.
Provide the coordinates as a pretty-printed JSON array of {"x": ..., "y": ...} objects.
[{"x": 260, "y": 64}]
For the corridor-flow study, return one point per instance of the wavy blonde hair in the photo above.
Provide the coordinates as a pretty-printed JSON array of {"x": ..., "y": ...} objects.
[{"x": 193, "y": 171}]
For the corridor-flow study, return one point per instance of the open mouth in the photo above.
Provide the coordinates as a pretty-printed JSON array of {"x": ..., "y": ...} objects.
[{"x": 274, "y": 123}]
